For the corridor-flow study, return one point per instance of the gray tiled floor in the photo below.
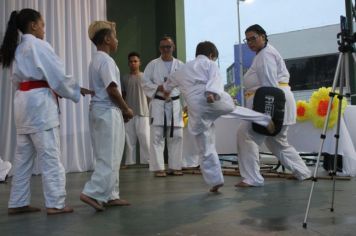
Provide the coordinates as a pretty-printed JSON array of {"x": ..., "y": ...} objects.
[{"x": 183, "y": 206}]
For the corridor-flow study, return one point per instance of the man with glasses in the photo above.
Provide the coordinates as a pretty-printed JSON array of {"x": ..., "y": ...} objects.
[
  {"x": 166, "y": 120},
  {"x": 268, "y": 69}
]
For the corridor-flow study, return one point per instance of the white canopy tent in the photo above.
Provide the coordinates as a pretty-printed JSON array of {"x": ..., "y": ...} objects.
[{"x": 67, "y": 22}]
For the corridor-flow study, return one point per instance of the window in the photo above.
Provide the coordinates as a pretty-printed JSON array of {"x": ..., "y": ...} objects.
[{"x": 312, "y": 72}]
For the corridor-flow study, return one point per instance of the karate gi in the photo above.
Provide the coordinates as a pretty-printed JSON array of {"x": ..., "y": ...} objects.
[
  {"x": 268, "y": 69},
  {"x": 37, "y": 121},
  {"x": 138, "y": 127},
  {"x": 160, "y": 110},
  {"x": 194, "y": 80},
  {"x": 106, "y": 128}
]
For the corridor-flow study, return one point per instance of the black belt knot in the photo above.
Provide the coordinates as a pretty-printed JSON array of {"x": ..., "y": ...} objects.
[{"x": 165, "y": 119}]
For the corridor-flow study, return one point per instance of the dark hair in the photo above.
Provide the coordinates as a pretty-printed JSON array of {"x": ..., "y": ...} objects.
[
  {"x": 206, "y": 48},
  {"x": 133, "y": 54},
  {"x": 100, "y": 36},
  {"x": 18, "y": 21},
  {"x": 257, "y": 29}
]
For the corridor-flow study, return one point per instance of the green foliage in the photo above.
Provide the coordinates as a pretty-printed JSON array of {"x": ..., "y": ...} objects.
[{"x": 233, "y": 90}]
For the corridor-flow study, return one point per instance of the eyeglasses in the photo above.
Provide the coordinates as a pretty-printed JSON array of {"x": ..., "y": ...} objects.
[
  {"x": 251, "y": 39},
  {"x": 165, "y": 46}
]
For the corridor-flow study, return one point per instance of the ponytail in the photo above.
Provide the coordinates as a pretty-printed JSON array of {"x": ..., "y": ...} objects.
[
  {"x": 18, "y": 21},
  {"x": 9, "y": 45}
]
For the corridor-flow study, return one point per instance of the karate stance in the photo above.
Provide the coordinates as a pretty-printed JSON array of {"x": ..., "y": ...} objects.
[
  {"x": 203, "y": 90},
  {"x": 38, "y": 75},
  {"x": 267, "y": 69},
  {"x": 165, "y": 112},
  {"x": 106, "y": 117}
]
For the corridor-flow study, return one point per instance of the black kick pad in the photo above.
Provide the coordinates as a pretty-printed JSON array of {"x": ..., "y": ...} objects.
[{"x": 270, "y": 101}]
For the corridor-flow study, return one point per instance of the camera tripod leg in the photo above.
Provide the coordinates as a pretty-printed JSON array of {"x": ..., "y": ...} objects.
[{"x": 323, "y": 135}]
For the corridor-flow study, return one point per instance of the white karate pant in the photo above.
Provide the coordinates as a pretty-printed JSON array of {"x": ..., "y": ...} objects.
[
  {"x": 5, "y": 167},
  {"x": 210, "y": 164},
  {"x": 108, "y": 139},
  {"x": 46, "y": 145},
  {"x": 248, "y": 142},
  {"x": 174, "y": 146},
  {"x": 190, "y": 155},
  {"x": 137, "y": 128}
]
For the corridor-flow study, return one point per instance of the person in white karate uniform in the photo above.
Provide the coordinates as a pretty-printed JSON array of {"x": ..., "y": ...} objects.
[
  {"x": 268, "y": 69},
  {"x": 138, "y": 128},
  {"x": 39, "y": 77},
  {"x": 203, "y": 91},
  {"x": 107, "y": 113},
  {"x": 166, "y": 119}
]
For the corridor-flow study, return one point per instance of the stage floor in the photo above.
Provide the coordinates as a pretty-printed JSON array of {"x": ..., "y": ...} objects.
[{"x": 183, "y": 206}]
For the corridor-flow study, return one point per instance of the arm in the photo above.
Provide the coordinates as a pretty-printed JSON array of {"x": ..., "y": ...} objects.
[
  {"x": 52, "y": 68},
  {"x": 123, "y": 90},
  {"x": 118, "y": 100},
  {"x": 149, "y": 86},
  {"x": 214, "y": 86}
]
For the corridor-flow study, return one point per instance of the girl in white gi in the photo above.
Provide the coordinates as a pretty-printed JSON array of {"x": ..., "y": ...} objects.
[
  {"x": 203, "y": 90},
  {"x": 165, "y": 113},
  {"x": 38, "y": 75},
  {"x": 106, "y": 117},
  {"x": 138, "y": 128},
  {"x": 267, "y": 69}
]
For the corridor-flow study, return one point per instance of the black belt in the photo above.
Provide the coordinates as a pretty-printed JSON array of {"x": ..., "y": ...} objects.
[
  {"x": 162, "y": 98},
  {"x": 165, "y": 119}
]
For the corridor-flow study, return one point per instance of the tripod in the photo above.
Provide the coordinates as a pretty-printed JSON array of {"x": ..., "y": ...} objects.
[{"x": 341, "y": 75}]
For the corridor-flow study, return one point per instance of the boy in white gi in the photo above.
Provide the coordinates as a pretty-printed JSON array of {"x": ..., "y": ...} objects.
[
  {"x": 138, "y": 127},
  {"x": 38, "y": 74},
  {"x": 106, "y": 117},
  {"x": 165, "y": 112},
  {"x": 203, "y": 90},
  {"x": 267, "y": 69}
]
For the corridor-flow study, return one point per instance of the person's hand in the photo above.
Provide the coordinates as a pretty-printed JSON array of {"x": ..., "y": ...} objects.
[
  {"x": 127, "y": 114},
  {"x": 85, "y": 91},
  {"x": 160, "y": 88},
  {"x": 210, "y": 98},
  {"x": 166, "y": 95}
]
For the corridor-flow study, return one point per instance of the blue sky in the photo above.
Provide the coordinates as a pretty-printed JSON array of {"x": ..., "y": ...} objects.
[{"x": 216, "y": 20}]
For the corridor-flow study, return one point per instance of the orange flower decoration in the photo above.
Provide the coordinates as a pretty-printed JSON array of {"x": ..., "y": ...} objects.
[{"x": 302, "y": 110}]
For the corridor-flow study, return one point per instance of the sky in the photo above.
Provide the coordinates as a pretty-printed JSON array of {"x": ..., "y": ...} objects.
[{"x": 216, "y": 21}]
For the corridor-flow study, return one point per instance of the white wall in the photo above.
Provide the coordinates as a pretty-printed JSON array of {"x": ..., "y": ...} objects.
[{"x": 307, "y": 42}]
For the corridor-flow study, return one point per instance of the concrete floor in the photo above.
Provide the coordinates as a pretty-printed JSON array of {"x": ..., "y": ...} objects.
[{"x": 183, "y": 206}]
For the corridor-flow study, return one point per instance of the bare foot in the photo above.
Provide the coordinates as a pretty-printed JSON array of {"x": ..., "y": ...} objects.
[
  {"x": 56, "y": 211},
  {"x": 21, "y": 210},
  {"x": 215, "y": 189},
  {"x": 271, "y": 127},
  {"x": 160, "y": 173},
  {"x": 117, "y": 202},
  {"x": 243, "y": 185},
  {"x": 91, "y": 202}
]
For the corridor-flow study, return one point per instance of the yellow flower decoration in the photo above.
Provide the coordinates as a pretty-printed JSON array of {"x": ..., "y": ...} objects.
[
  {"x": 302, "y": 110},
  {"x": 319, "y": 105}
]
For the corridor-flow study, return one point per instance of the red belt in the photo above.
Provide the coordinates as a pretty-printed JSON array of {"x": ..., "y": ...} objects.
[{"x": 28, "y": 85}]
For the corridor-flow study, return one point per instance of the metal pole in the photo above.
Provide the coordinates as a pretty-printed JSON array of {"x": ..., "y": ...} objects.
[
  {"x": 240, "y": 55},
  {"x": 352, "y": 69}
]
